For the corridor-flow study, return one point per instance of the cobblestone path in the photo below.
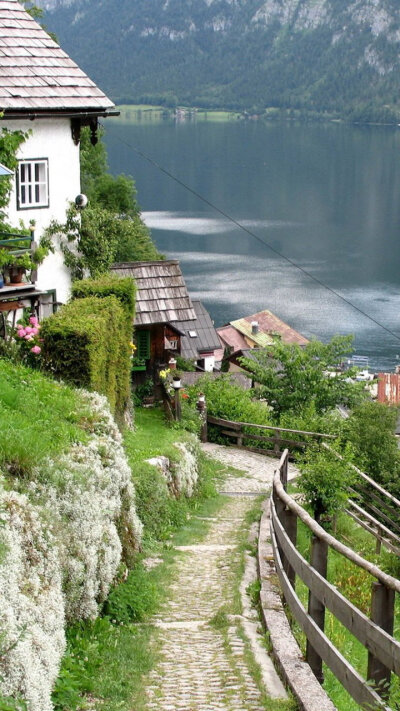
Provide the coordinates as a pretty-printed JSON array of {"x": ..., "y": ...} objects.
[{"x": 203, "y": 666}]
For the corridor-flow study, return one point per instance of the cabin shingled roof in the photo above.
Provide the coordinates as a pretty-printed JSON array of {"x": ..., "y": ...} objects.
[
  {"x": 162, "y": 296},
  {"x": 206, "y": 339},
  {"x": 36, "y": 74}
]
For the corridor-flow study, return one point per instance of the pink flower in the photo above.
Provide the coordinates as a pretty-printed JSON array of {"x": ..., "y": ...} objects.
[
  {"x": 34, "y": 331},
  {"x": 36, "y": 350},
  {"x": 21, "y": 333},
  {"x": 33, "y": 320},
  {"x": 29, "y": 337},
  {"x": 28, "y": 329}
]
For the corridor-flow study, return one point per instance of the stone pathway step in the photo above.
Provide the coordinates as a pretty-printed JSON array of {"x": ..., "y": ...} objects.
[{"x": 207, "y": 657}]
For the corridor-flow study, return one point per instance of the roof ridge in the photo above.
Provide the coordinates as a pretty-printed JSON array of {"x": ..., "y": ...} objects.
[{"x": 35, "y": 54}]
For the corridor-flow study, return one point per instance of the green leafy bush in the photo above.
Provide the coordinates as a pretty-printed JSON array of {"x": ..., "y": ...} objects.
[
  {"x": 159, "y": 512},
  {"x": 227, "y": 400},
  {"x": 85, "y": 343},
  {"x": 135, "y": 599},
  {"x": 324, "y": 480}
]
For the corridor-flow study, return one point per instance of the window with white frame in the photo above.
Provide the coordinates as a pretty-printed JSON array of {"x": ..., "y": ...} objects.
[{"x": 33, "y": 183}]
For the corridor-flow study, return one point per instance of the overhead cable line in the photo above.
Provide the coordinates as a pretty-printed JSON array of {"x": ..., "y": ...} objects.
[{"x": 257, "y": 237}]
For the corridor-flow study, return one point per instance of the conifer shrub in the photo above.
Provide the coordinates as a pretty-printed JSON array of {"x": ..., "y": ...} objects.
[{"x": 85, "y": 344}]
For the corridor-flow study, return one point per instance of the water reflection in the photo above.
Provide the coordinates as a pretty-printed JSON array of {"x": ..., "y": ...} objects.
[{"x": 326, "y": 196}]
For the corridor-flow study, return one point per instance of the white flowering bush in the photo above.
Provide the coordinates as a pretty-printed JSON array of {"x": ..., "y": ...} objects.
[
  {"x": 180, "y": 470},
  {"x": 185, "y": 470},
  {"x": 62, "y": 538},
  {"x": 32, "y": 637}
]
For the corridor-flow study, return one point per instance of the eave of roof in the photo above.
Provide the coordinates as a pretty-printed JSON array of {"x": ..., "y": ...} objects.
[{"x": 36, "y": 75}]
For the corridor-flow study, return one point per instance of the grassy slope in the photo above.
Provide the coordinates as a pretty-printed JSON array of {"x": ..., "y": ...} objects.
[{"x": 39, "y": 418}]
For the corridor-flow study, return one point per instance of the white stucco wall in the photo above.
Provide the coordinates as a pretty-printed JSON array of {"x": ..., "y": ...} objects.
[{"x": 51, "y": 139}]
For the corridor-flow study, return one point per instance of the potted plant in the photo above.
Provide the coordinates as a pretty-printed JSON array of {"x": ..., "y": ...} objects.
[{"x": 16, "y": 265}]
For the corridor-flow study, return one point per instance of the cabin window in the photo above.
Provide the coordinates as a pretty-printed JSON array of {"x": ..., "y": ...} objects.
[
  {"x": 33, "y": 183},
  {"x": 143, "y": 344}
]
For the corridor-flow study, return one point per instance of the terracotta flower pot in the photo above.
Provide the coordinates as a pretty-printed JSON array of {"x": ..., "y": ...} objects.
[{"x": 16, "y": 274}]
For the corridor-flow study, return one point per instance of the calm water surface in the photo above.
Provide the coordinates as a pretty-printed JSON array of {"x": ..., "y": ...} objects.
[{"x": 326, "y": 196}]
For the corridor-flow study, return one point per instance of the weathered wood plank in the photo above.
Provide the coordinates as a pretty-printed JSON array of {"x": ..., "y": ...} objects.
[
  {"x": 378, "y": 642},
  {"x": 352, "y": 681}
]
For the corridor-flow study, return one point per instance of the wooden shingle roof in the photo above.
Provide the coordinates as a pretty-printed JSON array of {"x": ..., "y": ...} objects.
[
  {"x": 162, "y": 296},
  {"x": 198, "y": 336},
  {"x": 36, "y": 74}
]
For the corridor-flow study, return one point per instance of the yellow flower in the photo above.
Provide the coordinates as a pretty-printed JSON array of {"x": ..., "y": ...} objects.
[{"x": 133, "y": 347}]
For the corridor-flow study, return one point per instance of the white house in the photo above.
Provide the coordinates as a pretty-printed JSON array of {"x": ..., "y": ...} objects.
[{"x": 44, "y": 92}]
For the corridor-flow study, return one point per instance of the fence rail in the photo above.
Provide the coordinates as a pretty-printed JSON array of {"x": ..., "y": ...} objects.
[
  {"x": 241, "y": 431},
  {"x": 375, "y": 634}
]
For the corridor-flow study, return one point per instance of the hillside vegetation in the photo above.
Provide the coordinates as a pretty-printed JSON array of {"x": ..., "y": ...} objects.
[{"x": 313, "y": 55}]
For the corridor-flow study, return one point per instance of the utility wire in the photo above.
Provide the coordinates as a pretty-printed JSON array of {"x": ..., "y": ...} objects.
[{"x": 255, "y": 236}]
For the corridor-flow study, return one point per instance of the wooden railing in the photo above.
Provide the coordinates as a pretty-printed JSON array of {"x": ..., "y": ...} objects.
[
  {"x": 242, "y": 431},
  {"x": 375, "y": 634}
]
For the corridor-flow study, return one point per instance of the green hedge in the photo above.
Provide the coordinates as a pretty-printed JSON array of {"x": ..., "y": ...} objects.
[
  {"x": 85, "y": 343},
  {"x": 124, "y": 289}
]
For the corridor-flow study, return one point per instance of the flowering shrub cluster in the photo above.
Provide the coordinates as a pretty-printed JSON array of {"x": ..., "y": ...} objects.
[
  {"x": 29, "y": 341},
  {"x": 61, "y": 543}
]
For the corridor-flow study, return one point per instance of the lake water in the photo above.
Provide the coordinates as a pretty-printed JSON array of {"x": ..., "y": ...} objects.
[{"x": 326, "y": 196}]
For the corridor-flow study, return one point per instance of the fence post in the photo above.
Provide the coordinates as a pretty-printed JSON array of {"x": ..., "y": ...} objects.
[
  {"x": 316, "y": 609},
  {"x": 280, "y": 512},
  {"x": 202, "y": 410},
  {"x": 289, "y": 522},
  {"x": 284, "y": 472},
  {"x": 382, "y": 613},
  {"x": 239, "y": 440},
  {"x": 277, "y": 437}
]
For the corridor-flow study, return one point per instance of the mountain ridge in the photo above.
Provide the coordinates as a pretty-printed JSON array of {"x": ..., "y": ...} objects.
[{"x": 317, "y": 55}]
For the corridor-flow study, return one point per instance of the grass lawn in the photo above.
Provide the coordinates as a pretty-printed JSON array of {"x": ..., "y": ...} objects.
[{"x": 39, "y": 418}]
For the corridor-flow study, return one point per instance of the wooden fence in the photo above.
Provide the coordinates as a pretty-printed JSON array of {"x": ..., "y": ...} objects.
[
  {"x": 375, "y": 634},
  {"x": 246, "y": 431}
]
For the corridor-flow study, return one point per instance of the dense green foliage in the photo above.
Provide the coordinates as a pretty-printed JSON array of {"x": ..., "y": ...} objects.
[
  {"x": 335, "y": 57},
  {"x": 324, "y": 480},
  {"x": 291, "y": 377},
  {"x": 113, "y": 199},
  {"x": 85, "y": 344},
  {"x": 124, "y": 289},
  {"x": 228, "y": 400},
  {"x": 370, "y": 429}
]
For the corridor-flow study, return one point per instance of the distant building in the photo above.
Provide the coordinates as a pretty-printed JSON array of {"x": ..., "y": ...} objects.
[{"x": 256, "y": 331}]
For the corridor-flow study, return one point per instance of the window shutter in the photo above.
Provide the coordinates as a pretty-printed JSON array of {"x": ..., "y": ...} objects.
[{"x": 143, "y": 344}]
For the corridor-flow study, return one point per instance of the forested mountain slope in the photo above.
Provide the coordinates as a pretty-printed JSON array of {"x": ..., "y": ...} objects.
[{"x": 339, "y": 56}]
